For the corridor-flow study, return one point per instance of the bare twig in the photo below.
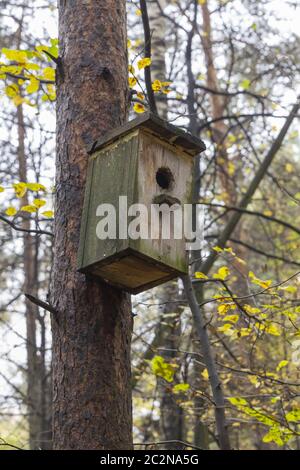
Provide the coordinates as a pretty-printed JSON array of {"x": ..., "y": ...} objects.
[
  {"x": 20, "y": 229},
  {"x": 148, "y": 53},
  {"x": 41, "y": 303},
  {"x": 234, "y": 220},
  {"x": 210, "y": 363}
]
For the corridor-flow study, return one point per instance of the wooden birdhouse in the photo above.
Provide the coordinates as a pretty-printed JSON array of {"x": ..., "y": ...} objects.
[{"x": 147, "y": 162}]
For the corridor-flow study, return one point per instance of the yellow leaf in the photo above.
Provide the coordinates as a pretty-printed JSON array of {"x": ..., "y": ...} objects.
[
  {"x": 33, "y": 86},
  {"x": 268, "y": 213},
  {"x": 290, "y": 289},
  {"x": 217, "y": 249},
  {"x": 293, "y": 416},
  {"x": 163, "y": 369},
  {"x": 230, "y": 250},
  {"x": 49, "y": 73},
  {"x": 181, "y": 388},
  {"x": 246, "y": 84},
  {"x": 131, "y": 82},
  {"x": 254, "y": 380},
  {"x": 139, "y": 108},
  {"x": 48, "y": 214},
  {"x": 144, "y": 63},
  {"x": 222, "y": 309},
  {"x": 244, "y": 332},
  {"x": 129, "y": 45},
  {"x": 199, "y": 275},
  {"x": 1, "y": 189},
  {"x": 32, "y": 66},
  {"x": 289, "y": 168},
  {"x": 271, "y": 328},
  {"x": 140, "y": 96},
  {"x": 259, "y": 282},
  {"x": 51, "y": 92},
  {"x": 29, "y": 209},
  {"x": 17, "y": 56},
  {"x": 20, "y": 189},
  {"x": 205, "y": 374},
  {"x": 231, "y": 168},
  {"x": 39, "y": 203},
  {"x": 156, "y": 85},
  {"x": 231, "y": 318},
  {"x": 251, "y": 310},
  {"x": 11, "y": 211},
  {"x": 138, "y": 12},
  {"x": 281, "y": 365},
  {"x": 35, "y": 187},
  {"x": 222, "y": 274},
  {"x": 12, "y": 90},
  {"x": 13, "y": 69},
  {"x": 225, "y": 328}
]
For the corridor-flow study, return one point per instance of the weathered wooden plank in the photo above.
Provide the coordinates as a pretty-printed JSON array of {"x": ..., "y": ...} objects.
[{"x": 164, "y": 130}]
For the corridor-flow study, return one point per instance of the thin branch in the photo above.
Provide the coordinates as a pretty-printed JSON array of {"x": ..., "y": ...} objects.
[
  {"x": 209, "y": 361},
  {"x": 41, "y": 303},
  {"x": 234, "y": 220},
  {"x": 255, "y": 213},
  {"x": 148, "y": 53},
  {"x": 174, "y": 441},
  {"x": 20, "y": 229}
]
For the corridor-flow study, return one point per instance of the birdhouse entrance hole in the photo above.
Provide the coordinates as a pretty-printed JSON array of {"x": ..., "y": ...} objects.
[{"x": 164, "y": 178}]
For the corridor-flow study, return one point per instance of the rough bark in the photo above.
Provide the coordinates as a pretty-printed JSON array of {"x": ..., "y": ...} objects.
[{"x": 92, "y": 331}]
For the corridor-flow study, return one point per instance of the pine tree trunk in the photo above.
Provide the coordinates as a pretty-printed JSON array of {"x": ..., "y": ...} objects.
[{"x": 92, "y": 329}]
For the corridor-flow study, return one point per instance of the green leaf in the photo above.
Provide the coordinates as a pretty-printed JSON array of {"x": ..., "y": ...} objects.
[{"x": 245, "y": 84}]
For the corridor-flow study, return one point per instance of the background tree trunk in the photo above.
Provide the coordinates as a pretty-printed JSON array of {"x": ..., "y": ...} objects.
[{"x": 92, "y": 330}]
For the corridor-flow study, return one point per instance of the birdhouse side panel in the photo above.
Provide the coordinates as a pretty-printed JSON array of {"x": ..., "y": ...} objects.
[{"x": 112, "y": 173}]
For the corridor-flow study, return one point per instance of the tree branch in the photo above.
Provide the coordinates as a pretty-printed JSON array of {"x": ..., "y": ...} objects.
[
  {"x": 255, "y": 213},
  {"x": 41, "y": 303},
  {"x": 234, "y": 220},
  {"x": 148, "y": 53},
  {"x": 209, "y": 361},
  {"x": 20, "y": 229}
]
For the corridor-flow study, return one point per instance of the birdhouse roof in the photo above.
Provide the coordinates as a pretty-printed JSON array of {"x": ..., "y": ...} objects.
[{"x": 162, "y": 129}]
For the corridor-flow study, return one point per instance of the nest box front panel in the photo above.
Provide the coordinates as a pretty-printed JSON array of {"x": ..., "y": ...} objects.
[{"x": 165, "y": 176}]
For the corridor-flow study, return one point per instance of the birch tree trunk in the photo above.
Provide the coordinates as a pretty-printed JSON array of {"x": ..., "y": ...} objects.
[
  {"x": 92, "y": 329},
  {"x": 158, "y": 39}
]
